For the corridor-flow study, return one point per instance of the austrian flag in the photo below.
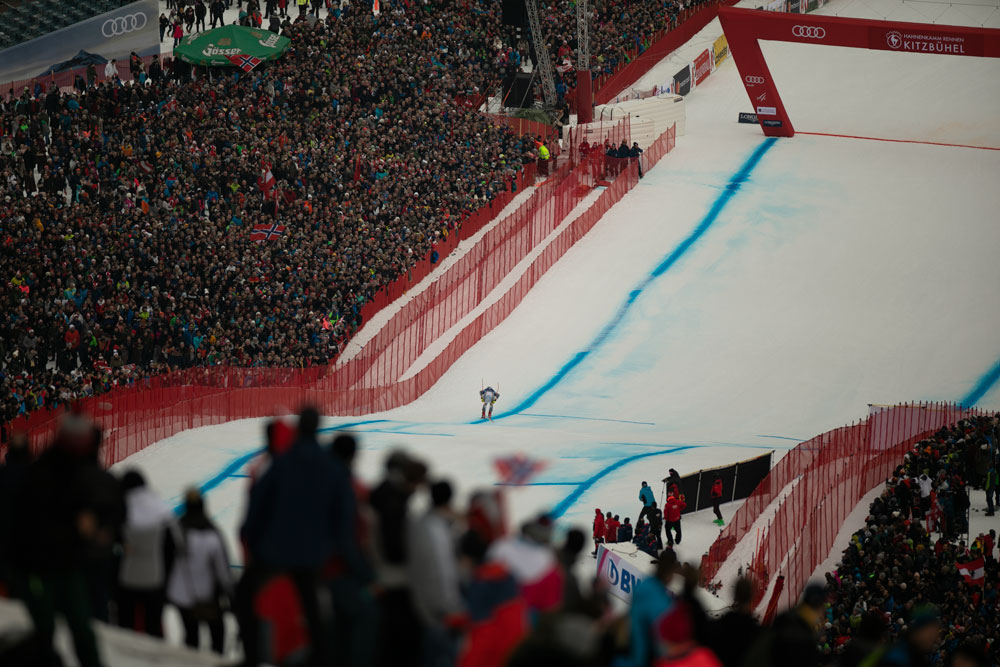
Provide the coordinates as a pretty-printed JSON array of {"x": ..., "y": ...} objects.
[
  {"x": 267, "y": 232},
  {"x": 266, "y": 180},
  {"x": 517, "y": 470},
  {"x": 973, "y": 572},
  {"x": 244, "y": 62}
]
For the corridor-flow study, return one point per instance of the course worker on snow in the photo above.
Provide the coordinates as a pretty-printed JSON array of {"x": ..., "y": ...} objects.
[{"x": 489, "y": 396}]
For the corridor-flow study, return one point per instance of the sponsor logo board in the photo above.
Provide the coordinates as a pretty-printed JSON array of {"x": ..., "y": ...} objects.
[
  {"x": 926, "y": 41},
  {"x": 747, "y": 118},
  {"x": 808, "y": 32},
  {"x": 766, "y": 111}
]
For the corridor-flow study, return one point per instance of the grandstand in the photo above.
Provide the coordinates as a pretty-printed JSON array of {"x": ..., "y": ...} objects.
[{"x": 24, "y": 20}]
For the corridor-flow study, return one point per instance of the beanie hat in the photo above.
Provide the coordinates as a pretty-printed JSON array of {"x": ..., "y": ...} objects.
[{"x": 675, "y": 626}]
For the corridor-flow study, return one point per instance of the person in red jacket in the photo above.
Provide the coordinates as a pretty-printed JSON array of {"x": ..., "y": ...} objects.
[
  {"x": 672, "y": 516},
  {"x": 600, "y": 530},
  {"x": 611, "y": 525},
  {"x": 716, "y": 499},
  {"x": 680, "y": 649}
]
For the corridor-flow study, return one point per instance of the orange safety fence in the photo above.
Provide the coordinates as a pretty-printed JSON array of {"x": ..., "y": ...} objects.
[{"x": 824, "y": 478}]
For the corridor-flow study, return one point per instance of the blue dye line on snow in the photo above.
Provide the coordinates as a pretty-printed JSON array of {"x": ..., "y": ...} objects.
[
  {"x": 782, "y": 437},
  {"x": 731, "y": 188},
  {"x": 589, "y": 419},
  {"x": 586, "y": 485},
  {"x": 538, "y": 483},
  {"x": 233, "y": 467},
  {"x": 983, "y": 386}
]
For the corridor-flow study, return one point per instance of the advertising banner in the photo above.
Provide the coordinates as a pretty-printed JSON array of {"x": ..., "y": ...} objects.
[
  {"x": 929, "y": 40},
  {"x": 748, "y": 118},
  {"x": 738, "y": 479},
  {"x": 702, "y": 66},
  {"x": 109, "y": 36},
  {"x": 720, "y": 50},
  {"x": 775, "y": 6},
  {"x": 795, "y": 7},
  {"x": 682, "y": 81},
  {"x": 618, "y": 573}
]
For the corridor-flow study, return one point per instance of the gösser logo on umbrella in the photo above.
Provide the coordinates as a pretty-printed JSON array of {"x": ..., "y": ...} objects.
[
  {"x": 123, "y": 24},
  {"x": 232, "y": 46}
]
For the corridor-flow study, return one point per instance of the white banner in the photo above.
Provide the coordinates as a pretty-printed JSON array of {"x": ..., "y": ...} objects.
[{"x": 618, "y": 573}]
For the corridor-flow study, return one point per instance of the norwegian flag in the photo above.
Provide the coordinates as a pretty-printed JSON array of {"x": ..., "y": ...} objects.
[
  {"x": 516, "y": 470},
  {"x": 974, "y": 572},
  {"x": 266, "y": 180},
  {"x": 244, "y": 62},
  {"x": 267, "y": 232}
]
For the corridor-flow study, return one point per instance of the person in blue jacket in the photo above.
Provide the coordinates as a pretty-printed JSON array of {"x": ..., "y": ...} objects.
[
  {"x": 647, "y": 498},
  {"x": 650, "y": 601}
]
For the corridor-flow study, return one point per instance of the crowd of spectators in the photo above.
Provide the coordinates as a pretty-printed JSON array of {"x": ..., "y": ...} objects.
[
  {"x": 446, "y": 585},
  {"x": 126, "y": 210},
  {"x": 897, "y": 589}
]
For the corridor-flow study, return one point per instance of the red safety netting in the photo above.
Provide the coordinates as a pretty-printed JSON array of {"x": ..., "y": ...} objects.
[
  {"x": 383, "y": 375},
  {"x": 824, "y": 478}
]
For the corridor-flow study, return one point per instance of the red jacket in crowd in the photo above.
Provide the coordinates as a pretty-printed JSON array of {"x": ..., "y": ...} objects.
[
  {"x": 717, "y": 488},
  {"x": 673, "y": 507},
  {"x": 611, "y": 533},
  {"x": 599, "y": 528}
]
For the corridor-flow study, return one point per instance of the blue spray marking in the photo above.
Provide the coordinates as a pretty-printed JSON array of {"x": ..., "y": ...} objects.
[
  {"x": 982, "y": 387},
  {"x": 538, "y": 484},
  {"x": 233, "y": 467},
  {"x": 586, "y": 485},
  {"x": 589, "y": 419},
  {"x": 782, "y": 437},
  {"x": 734, "y": 185}
]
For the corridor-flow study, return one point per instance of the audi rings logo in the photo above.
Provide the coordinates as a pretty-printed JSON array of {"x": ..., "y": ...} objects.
[
  {"x": 809, "y": 32},
  {"x": 121, "y": 25},
  {"x": 752, "y": 81}
]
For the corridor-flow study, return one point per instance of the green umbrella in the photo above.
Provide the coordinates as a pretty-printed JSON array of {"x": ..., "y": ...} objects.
[{"x": 213, "y": 47}]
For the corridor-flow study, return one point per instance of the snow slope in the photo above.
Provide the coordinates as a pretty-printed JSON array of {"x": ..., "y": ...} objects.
[{"x": 746, "y": 295}]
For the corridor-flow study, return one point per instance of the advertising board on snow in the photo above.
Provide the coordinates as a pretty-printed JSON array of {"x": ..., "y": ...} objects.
[
  {"x": 615, "y": 571},
  {"x": 682, "y": 81},
  {"x": 702, "y": 66},
  {"x": 720, "y": 49}
]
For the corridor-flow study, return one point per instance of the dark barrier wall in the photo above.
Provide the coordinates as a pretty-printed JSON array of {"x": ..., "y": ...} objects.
[
  {"x": 738, "y": 481},
  {"x": 112, "y": 35}
]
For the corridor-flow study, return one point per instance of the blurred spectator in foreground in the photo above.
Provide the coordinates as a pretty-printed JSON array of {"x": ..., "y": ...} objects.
[
  {"x": 200, "y": 579},
  {"x": 301, "y": 513},
  {"x": 650, "y": 601},
  {"x": 732, "y": 635},
  {"x": 498, "y": 615},
  {"x": 679, "y": 648},
  {"x": 11, "y": 473},
  {"x": 390, "y": 502},
  {"x": 61, "y": 516},
  {"x": 434, "y": 576},
  {"x": 968, "y": 655},
  {"x": 923, "y": 632},
  {"x": 149, "y": 543},
  {"x": 792, "y": 640},
  {"x": 354, "y": 608},
  {"x": 867, "y": 644}
]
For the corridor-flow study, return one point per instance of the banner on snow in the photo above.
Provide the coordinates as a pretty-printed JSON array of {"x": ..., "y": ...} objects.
[
  {"x": 620, "y": 576},
  {"x": 109, "y": 36},
  {"x": 720, "y": 49},
  {"x": 738, "y": 481},
  {"x": 749, "y": 118},
  {"x": 702, "y": 67},
  {"x": 795, "y": 7},
  {"x": 682, "y": 81}
]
